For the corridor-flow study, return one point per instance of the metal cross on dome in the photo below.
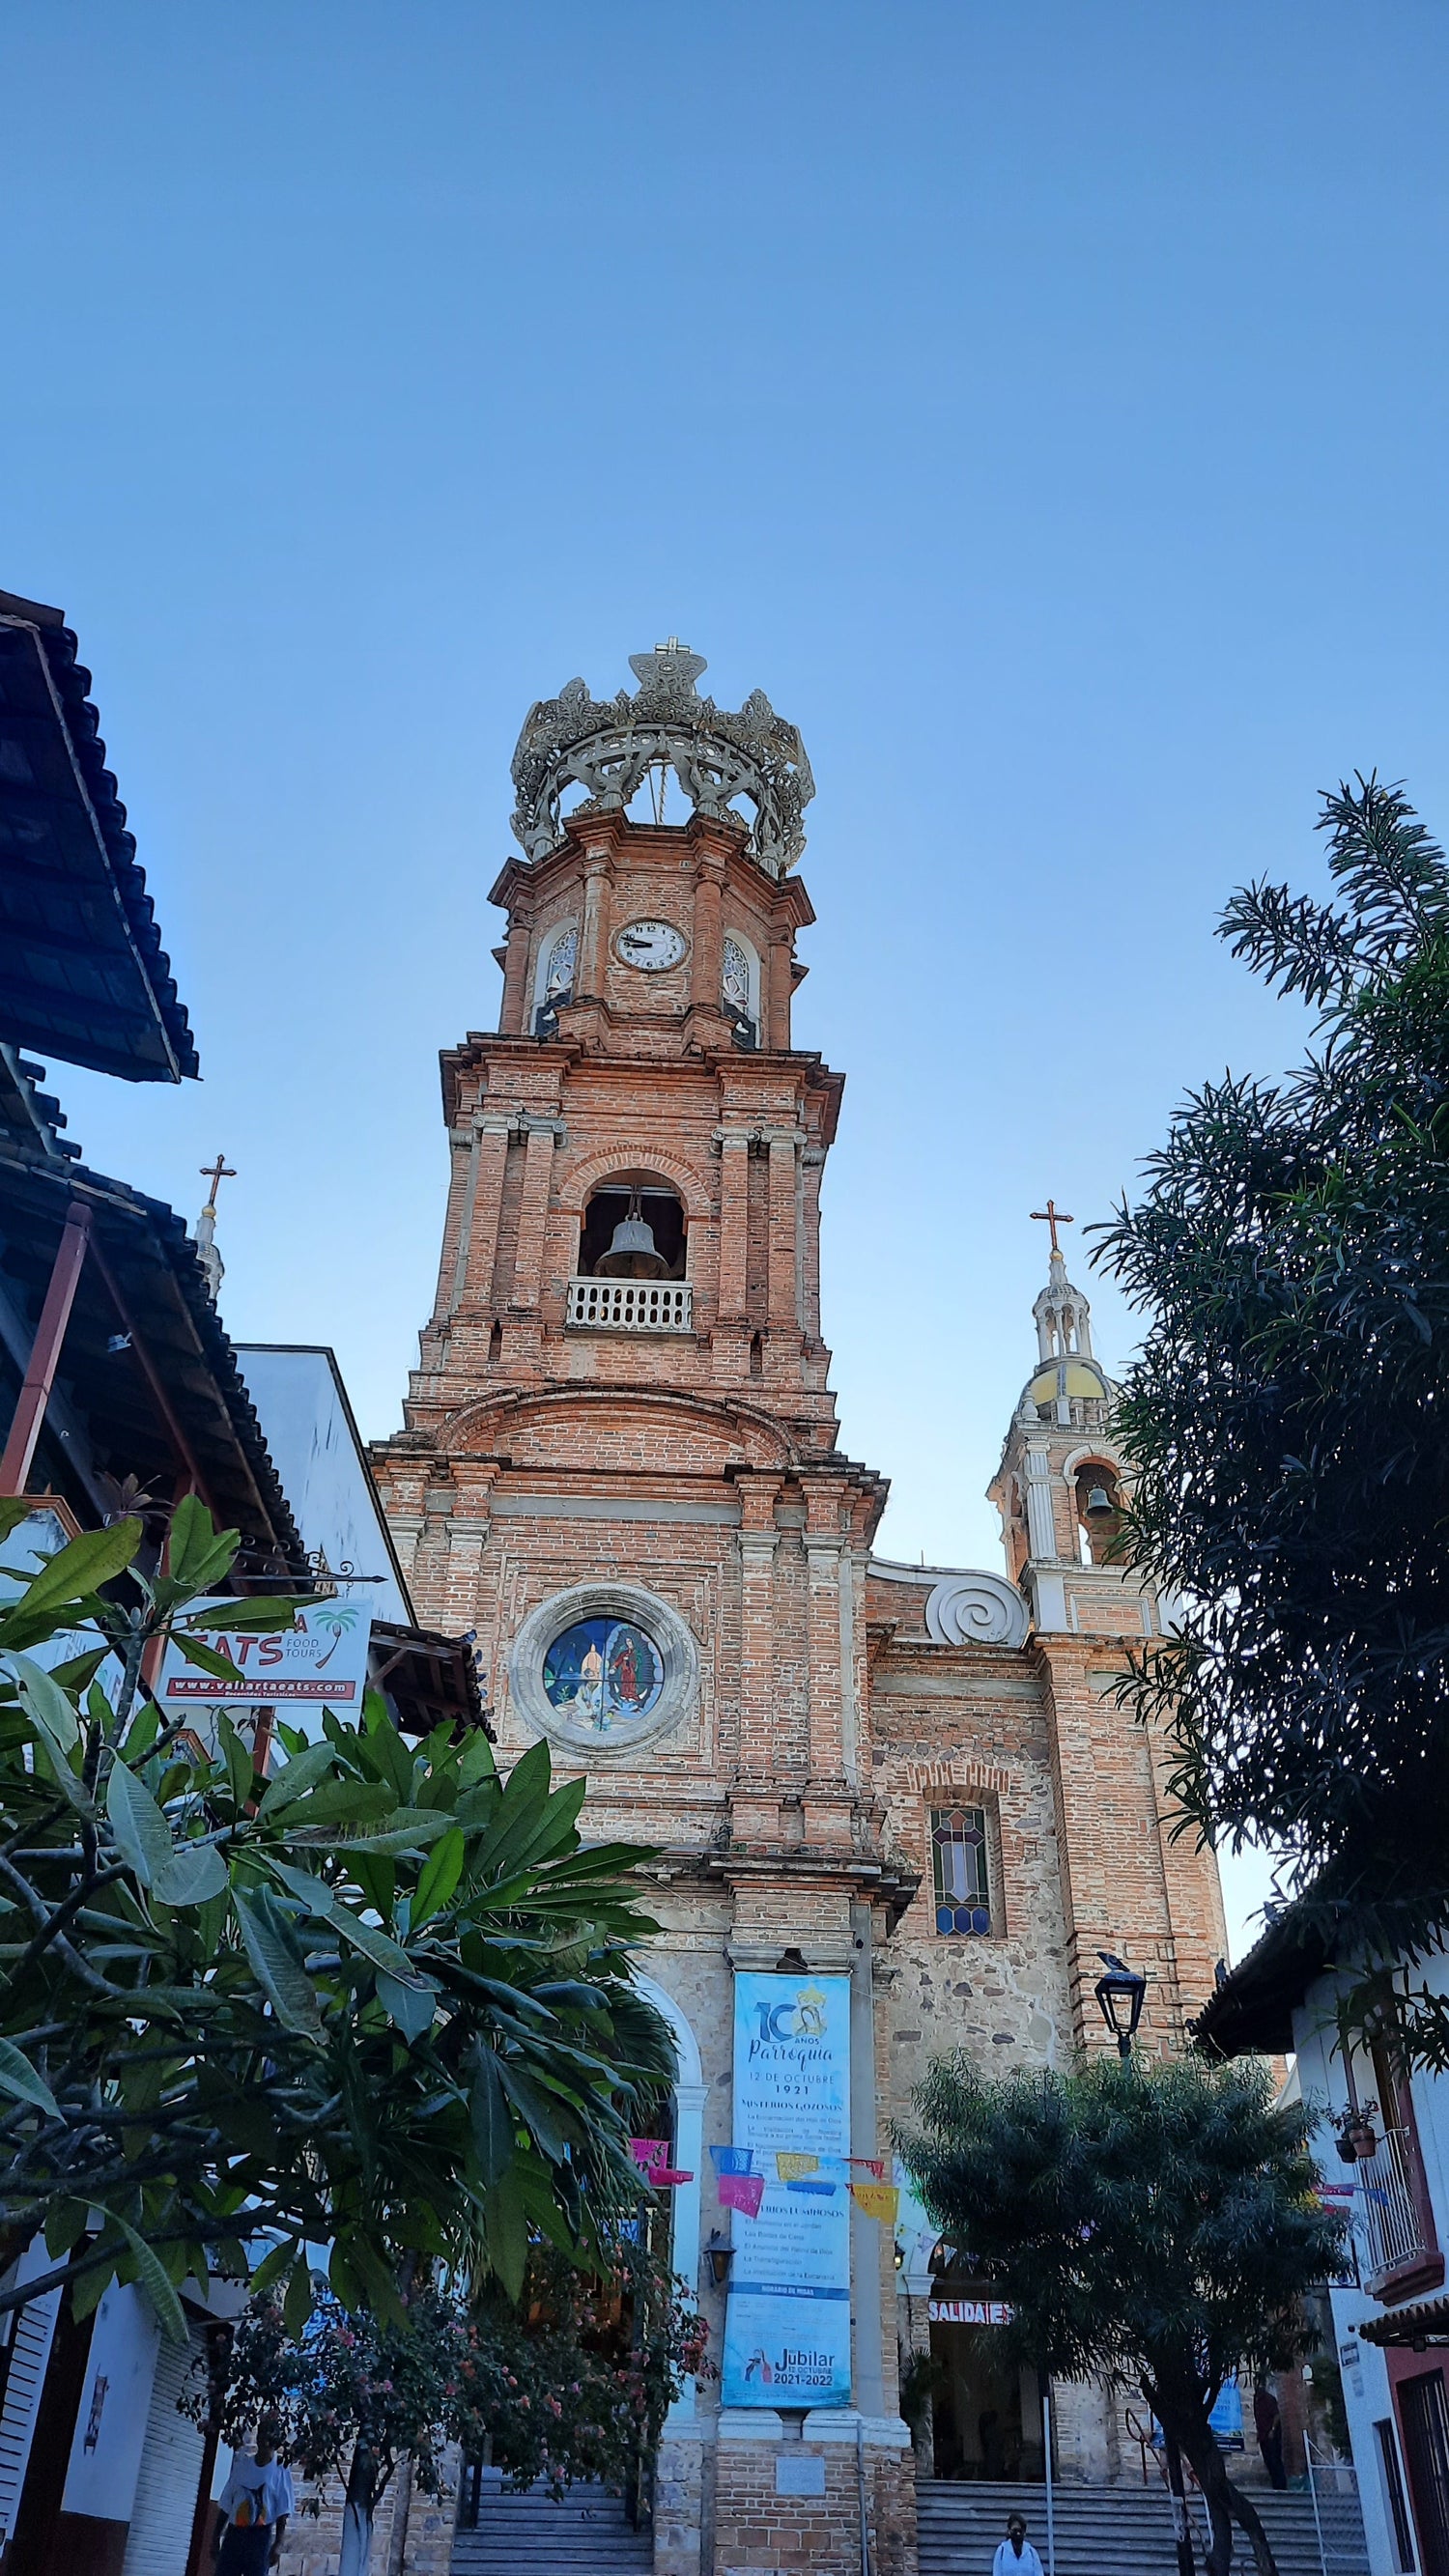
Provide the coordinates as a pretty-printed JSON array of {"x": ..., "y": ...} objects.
[
  {"x": 217, "y": 1172},
  {"x": 1053, "y": 1216}
]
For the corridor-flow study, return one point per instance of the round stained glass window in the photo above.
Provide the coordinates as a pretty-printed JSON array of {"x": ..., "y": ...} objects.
[
  {"x": 603, "y": 1673},
  {"x": 604, "y": 1668}
]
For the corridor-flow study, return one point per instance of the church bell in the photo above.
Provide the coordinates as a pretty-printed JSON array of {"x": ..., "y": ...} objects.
[
  {"x": 1100, "y": 1505},
  {"x": 632, "y": 1254}
]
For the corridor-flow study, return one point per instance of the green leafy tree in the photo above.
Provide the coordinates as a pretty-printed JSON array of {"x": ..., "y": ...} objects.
[
  {"x": 1287, "y": 1415},
  {"x": 1153, "y": 2227},
  {"x": 571, "y": 2381},
  {"x": 380, "y": 1999}
]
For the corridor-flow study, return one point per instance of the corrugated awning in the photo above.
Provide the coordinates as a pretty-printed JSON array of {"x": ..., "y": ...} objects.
[
  {"x": 1424, "y": 2322},
  {"x": 83, "y": 974},
  {"x": 431, "y": 1680},
  {"x": 145, "y": 1360}
]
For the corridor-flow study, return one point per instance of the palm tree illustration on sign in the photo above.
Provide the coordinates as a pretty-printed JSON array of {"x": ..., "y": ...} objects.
[{"x": 338, "y": 1617}]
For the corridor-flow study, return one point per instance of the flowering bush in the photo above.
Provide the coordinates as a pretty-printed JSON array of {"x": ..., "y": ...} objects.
[{"x": 572, "y": 2382}]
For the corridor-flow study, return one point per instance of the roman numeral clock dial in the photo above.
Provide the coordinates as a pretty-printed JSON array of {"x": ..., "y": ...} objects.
[{"x": 649, "y": 945}]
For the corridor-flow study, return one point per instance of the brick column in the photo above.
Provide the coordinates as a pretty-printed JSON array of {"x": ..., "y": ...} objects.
[
  {"x": 708, "y": 959},
  {"x": 734, "y": 1223},
  {"x": 784, "y": 1231},
  {"x": 462, "y": 1183},
  {"x": 533, "y": 1215},
  {"x": 756, "y": 1801},
  {"x": 478, "y": 1246},
  {"x": 514, "y": 1014},
  {"x": 590, "y": 985},
  {"x": 776, "y": 1001},
  {"x": 829, "y": 1626}
]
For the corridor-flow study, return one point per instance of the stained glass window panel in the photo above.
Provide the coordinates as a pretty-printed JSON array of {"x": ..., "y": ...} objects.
[
  {"x": 958, "y": 1869},
  {"x": 603, "y": 1673}
]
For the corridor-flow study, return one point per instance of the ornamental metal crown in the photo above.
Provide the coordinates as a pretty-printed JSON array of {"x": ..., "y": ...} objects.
[{"x": 608, "y": 747}]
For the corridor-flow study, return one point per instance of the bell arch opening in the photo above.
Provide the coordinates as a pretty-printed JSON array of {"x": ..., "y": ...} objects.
[
  {"x": 633, "y": 1227},
  {"x": 1097, "y": 1493}
]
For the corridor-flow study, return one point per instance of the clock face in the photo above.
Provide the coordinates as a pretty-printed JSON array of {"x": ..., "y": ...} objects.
[{"x": 652, "y": 945}]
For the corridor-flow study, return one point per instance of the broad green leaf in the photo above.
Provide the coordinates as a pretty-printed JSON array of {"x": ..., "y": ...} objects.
[
  {"x": 297, "y": 2305},
  {"x": 438, "y": 1877},
  {"x": 320, "y": 1899},
  {"x": 140, "y": 1735},
  {"x": 344, "y": 2280},
  {"x": 241, "y": 1770},
  {"x": 276, "y": 1959},
  {"x": 199, "y": 1554},
  {"x": 18, "y": 2077},
  {"x": 152, "y": 2275},
  {"x": 377, "y": 2279},
  {"x": 87, "y": 2291},
  {"x": 140, "y": 1829},
  {"x": 44, "y": 1702},
  {"x": 262, "y": 1616},
  {"x": 66, "y": 2222},
  {"x": 377, "y": 1878},
  {"x": 336, "y": 1802},
  {"x": 493, "y": 2122},
  {"x": 383, "y": 1748},
  {"x": 79, "y": 1671},
  {"x": 194, "y": 1872},
  {"x": 14, "y": 1508},
  {"x": 206, "y": 1660},
  {"x": 532, "y": 2104},
  {"x": 407, "y": 1829},
  {"x": 96, "y": 1557},
  {"x": 411, "y": 2006},
  {"x": 477, "y": 1763},
  {"x": 298, "y": 1776},
  {"x": 507, "y": 2231},
  {"x": 269, "y": 2271}
]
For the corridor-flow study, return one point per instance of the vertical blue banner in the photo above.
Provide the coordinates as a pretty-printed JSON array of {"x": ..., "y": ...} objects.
[{"x": 787, "y": 2321}]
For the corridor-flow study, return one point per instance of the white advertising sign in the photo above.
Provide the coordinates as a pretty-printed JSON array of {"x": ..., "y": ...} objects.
[
  {"x": 319, "y": 1662},
  {"x": 787, "y": 2323}
]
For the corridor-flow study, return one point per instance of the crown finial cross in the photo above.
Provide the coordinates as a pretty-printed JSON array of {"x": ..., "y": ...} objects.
[
  {"x": 1053, "y": 1216},
  {"x": 217, "y": 1172}
]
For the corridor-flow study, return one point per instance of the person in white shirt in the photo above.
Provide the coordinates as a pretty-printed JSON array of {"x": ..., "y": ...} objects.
[
  {"x": 255, "y": 2503},
  {"x": 1015, "y": 2555}
]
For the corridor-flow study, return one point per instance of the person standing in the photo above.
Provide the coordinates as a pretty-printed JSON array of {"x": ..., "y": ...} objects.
[
  {"x": 1268, "y": 2425},
  {"x": 255, "y": 2503},
  {"x": 1015, "y": 2555}
]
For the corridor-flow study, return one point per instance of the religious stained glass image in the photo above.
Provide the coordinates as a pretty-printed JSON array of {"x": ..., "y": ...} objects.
[{"x": 603, "y": 1673}]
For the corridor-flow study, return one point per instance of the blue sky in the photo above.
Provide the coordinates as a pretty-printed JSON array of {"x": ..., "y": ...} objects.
[{"x": 1045, "y": 404}]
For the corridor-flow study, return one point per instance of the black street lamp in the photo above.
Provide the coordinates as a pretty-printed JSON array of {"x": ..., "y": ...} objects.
[{"x": 1120, "y": 1994}]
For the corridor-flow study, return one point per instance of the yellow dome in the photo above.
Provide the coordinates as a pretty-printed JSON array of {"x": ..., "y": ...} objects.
[{"x": 1077, "y": 1377}]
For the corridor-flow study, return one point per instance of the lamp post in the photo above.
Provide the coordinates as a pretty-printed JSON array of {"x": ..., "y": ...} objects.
[{"x": 1120, "y": 1993}]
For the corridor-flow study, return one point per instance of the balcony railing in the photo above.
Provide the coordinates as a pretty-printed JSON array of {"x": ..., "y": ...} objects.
[
  {"x": 1397, "y": 2244},
  {"x": 630, "y": 1305}
]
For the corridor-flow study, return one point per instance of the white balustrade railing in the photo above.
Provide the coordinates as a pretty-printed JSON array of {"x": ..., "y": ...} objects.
[
  {"x": 631, "y": 1305},
  {"x": 1393, "y": 2231}
]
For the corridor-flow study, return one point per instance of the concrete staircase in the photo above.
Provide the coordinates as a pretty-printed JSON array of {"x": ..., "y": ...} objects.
[
  {"x": 1125, "y": 2531},
  {"x": 530, "y": 2535}
]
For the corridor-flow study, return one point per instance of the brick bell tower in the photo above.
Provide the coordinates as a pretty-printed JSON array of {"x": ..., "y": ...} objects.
[
  {"x": 1125, "y": 1877},
  {"x": 619, "y": 1467}
]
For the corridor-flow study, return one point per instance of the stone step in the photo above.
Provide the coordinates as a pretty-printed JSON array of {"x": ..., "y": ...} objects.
[
  {"x": 528, "y": 2534},
  {"x": 1126, "y": 2529}
]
